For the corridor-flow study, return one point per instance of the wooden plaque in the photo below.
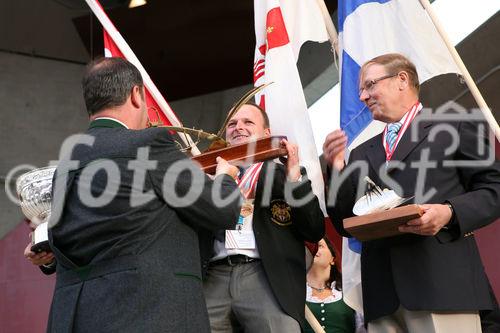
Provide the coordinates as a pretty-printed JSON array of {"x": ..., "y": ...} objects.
[
  {"x": 381, "y": 224},
  {"x": 260, "y": 150}
]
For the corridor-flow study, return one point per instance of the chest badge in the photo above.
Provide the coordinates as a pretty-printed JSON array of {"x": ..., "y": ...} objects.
[{"x": 281, "y": 212}]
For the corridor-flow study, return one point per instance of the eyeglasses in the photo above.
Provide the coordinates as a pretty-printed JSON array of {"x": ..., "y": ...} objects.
[{"x": 369, "y": 84}]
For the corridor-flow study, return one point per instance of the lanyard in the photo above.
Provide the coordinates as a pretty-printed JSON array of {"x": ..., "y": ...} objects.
[
  {"x": 409, "y": 117},
  {"x": 247, "y": 185}
]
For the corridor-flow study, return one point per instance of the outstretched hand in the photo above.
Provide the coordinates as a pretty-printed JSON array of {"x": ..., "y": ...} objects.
[
  {"x": 334, "y": 149},
  {"x": 292, "y": 161}
]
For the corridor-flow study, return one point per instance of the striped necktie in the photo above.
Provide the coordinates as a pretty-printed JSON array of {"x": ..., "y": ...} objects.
[{"x": 392, "y": 134}]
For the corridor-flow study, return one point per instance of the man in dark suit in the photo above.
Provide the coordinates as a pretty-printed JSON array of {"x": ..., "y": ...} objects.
[
  {"x": 430, "y": 279},
  {"x": 255, "y": 275},
  {"x": 125, "y": 219}
]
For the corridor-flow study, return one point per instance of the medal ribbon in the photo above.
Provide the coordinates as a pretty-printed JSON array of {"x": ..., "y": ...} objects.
[
  {"x": 248, "y": 182},
  {"x": 411, "y": 114}
]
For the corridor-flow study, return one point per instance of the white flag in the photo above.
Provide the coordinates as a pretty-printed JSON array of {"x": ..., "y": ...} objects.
[{"x": 281, "y": 27}]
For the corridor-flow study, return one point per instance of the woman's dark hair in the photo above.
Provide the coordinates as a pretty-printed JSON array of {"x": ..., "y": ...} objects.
[{"x": 335, "y": 274}]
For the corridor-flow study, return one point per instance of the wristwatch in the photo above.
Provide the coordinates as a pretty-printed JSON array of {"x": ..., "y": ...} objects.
[
  {"x": 448, "y": 225},
  {"x": 452, "y": 210}
]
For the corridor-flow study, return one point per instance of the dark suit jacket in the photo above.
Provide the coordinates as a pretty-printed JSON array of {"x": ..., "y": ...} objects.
[
  {"x": 443, "y": 272},
  {"x": 281, "y": 247},
  {"x": 125, "y": 268}
]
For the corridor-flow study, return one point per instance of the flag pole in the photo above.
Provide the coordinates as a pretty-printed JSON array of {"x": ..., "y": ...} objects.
[
  {"x": 330, "y": 27},
  {"x": 467, "y": 77},
  {"x": 313, "y": 322},
  {"x": 96, "y": 8}
]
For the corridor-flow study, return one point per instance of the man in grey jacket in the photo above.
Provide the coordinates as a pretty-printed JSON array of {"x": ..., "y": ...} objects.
[{"x": 126, "y": 210}]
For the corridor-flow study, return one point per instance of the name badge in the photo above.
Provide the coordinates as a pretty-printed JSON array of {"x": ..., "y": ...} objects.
[{"x": 240, "y": 239}]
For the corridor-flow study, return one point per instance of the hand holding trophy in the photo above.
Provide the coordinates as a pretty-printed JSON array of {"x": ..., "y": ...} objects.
[
  {"x": 379, "y": 213},
  {"x": 34, "y": 189},
  {"x": 256, "y": 150}
]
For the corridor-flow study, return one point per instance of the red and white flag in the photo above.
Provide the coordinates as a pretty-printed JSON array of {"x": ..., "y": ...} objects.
[
  {"x": 116, "y": 46},
  {"x": 281, "y": 27}
]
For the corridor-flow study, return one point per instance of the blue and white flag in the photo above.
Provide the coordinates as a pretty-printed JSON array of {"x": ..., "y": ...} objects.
[{"x": 369, "y": 28}]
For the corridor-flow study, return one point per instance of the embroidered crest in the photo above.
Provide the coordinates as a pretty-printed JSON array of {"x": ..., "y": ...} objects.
[{"x": 281, "y": 212}]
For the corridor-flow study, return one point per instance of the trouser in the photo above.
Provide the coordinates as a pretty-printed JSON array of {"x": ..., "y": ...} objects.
[
  {"x": 406, "y": 321},
  {"x": 242, "y": 292}
]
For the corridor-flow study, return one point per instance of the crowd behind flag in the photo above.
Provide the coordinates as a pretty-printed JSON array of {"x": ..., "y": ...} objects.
[
  {"x": 369, "y": 28},
  {"x": 281, "y": 27}
]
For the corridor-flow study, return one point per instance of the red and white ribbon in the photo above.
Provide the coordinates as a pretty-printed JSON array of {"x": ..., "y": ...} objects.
[
  {"x": 248, "y": 182},
  {"x": 406, "y": 123}
]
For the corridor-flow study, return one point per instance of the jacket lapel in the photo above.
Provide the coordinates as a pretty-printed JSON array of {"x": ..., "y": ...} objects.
[
  {"x": 261, "y": 189},
  {"x": 412, "y": 138},
  {"x": 376, "y": 153},
  {"x": 375, "y": 150}
]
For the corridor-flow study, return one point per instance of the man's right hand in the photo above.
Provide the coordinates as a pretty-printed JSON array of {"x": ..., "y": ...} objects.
[
  {"x": 334, "y": 149},
  {"x": 224, "y": 167},
  {"x": 38, "y": 259}
]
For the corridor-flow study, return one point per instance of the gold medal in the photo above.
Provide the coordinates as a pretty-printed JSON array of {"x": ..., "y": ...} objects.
[{"x": 247, "y": 208}]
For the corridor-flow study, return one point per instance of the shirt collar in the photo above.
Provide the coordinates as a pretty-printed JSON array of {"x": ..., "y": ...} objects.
[{"x": 402, "y": 120}]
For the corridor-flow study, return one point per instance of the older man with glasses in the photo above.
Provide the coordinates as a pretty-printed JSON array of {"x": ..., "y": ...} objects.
[{"x": 430, "y": 278}]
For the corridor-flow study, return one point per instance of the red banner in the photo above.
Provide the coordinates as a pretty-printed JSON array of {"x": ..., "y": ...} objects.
[{"x": 275, "y": 29}]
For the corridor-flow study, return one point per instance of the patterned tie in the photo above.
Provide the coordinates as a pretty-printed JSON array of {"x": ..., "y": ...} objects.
[
  {"x": 242, "y": 172},
  {"x": 392, "y": 134}
]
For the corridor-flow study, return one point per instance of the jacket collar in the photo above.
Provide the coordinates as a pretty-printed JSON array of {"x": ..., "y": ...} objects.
[{"x": 106, "y": 123}]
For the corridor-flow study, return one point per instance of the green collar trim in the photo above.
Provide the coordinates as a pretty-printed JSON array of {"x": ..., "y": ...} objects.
[
  {"x": 83, "y": 272},
  {"x": 107, "y": 123}
]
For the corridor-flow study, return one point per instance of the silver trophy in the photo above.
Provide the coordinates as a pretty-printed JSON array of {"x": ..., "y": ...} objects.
[{"x": 34, "y": 189}]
